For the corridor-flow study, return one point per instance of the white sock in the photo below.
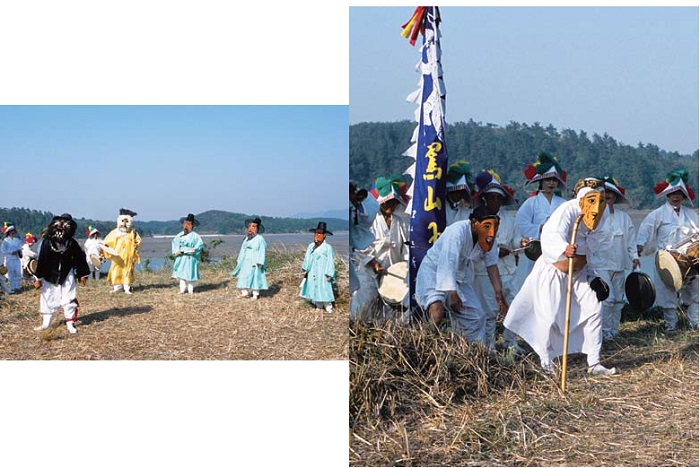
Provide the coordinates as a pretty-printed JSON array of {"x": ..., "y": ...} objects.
[
  {"x": 256, "y": 293},
  {"x": 183, "y": 286},
  {"x": 71, "y": 327},
  {"x": 244, "y": 292},
  {"x": 190, "y": 288}
]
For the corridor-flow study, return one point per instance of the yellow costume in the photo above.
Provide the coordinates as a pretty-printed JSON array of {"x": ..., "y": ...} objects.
[{"x": 125, "y": 242}]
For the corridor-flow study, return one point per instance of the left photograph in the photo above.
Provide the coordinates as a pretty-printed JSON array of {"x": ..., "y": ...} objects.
[{"x": 174, "y": 233}]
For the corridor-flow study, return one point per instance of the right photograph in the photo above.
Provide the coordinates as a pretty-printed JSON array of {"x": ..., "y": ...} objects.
[{"x": 523, "y": 236}]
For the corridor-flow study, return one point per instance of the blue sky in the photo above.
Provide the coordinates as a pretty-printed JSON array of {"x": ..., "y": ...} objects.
[
  {"x": 166, "y": 161},
  {"x": 631, "y": 72}
]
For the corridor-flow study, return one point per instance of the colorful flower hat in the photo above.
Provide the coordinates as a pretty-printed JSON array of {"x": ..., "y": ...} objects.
[
  {"x": 459, "y": 176},
  {"x": 675, "y": 181},
  {"x": 614, "y": 186},
  {"x": 488, "y": 181},
  {"x": 388, "y": 188},
  {"x": 91, "y": 230},
  {"x": 7, "y": 227},
  {"x": 29, "y": 238},
  {"x": 545, "y": 167}
]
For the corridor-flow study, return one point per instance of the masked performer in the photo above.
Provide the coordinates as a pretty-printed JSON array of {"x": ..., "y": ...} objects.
[
  {"x": 187, "y": 247},
  {"x": 319, "y": 270},
  {"x": 673, "y": 226},
  {"x": 535, "y": 211},
  {"x": 459, "y": 194},
  {"x": 11, "y": 249},
  {"x": 123, "y": 244},
  {"x": 93, "y": 251},
  {"x": 492, "y": 193},
  {"x": 538, "y": 312},
  {"x": 446, "y": 276},
  {"x": 612, "y": 249},
  {"x": 61, "y": 261},
  {"x": 251, "y": 264}
]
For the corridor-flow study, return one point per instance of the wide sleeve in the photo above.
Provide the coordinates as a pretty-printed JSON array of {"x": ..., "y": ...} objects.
[
  {"x": 555, "y": 232},
  {"x": 198, "y": 245},
  {"x": 631, "y": 236},
  {"x": 448, "y": 258},
  {"x": 647, "y": 231},
  {"x": 175, "y": 246},
  {"x": 82, "y": 268},
  {"x": 329, "y": 267},
  {"x": 524, "y": 218},
  {"x": 307, "y": 258},
  {"x": 260, "y": 251}
]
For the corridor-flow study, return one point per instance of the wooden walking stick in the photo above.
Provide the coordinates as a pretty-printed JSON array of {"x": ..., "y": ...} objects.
[{"x": 568, "y": 307}]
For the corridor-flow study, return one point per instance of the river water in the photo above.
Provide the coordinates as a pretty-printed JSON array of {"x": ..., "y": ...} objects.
[{"x": 156, "y": 248}]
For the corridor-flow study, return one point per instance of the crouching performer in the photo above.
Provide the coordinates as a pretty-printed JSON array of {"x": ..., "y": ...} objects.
[
  {"x": 61, "y": 261},
  {"x": 538, "y": 312}
]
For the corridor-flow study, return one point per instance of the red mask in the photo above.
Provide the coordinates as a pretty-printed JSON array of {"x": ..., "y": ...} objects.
[{"x": 486, "y": 230}]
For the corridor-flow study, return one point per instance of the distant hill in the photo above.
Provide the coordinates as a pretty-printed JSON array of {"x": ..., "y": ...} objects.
[
  {"x": 376, "y": 149},
  {"x": 323, "y": 214},
  {"x": 211, "y": 222}
]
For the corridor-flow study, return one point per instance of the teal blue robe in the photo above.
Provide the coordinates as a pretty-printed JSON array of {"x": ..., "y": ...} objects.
[
  {"x": 252, "y": 254},
  {"x": 319, "y": 263},
  {"x": 186, "y": 266}
]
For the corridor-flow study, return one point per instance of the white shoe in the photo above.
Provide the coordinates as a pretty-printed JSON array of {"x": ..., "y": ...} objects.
[
  {"x": 41, "y": 327},
  {"x": 329, "y": 308},
  {"x": 598, "y": 369},
  {"x": 244, "y": 293},
  {"x": 547, "y": 367},
  {"x": 71, "y": 327}
]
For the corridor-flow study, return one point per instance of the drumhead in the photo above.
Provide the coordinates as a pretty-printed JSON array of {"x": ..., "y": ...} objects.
[
  {"x": 3, "y": 270},
  {"x": 393, "y": 287},
  {"x": 640, "y": 291},
  {"x": 96, "y": 261},
  {"x": 669, "y": 270}
]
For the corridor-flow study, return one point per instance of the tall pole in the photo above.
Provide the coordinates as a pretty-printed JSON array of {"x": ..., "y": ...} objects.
[{"x": 568, "y": 307}]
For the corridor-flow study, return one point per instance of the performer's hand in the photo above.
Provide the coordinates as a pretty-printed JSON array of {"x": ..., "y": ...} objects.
[
  {"x": 37, "y": 284},
  {"x": 83, "y": 281},
  {"x": 524, "y": 241},
  {"x": 636, "y": 263},
  {"x": 570, "y": 251},
  {"x": 328, "y": 278},
  {"x": 639, "y": 249},
  {"x": 260, "y": 265},
  {"x": 502, "y": 306},
  {"x": 455, "y": 302},
  {"x": 376, "y": 266}
]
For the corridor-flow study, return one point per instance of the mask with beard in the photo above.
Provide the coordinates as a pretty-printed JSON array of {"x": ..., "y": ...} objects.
[
  {"x": 124, "y": 223},
  {"x": 60, "y": 232}
]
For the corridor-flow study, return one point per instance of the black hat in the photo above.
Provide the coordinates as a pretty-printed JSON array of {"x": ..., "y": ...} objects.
[
  {"x": 124, "y": 211},
  {"x": 190, "y": 218},
  {"x": 482, "y": 212},
  {"x": 321, "y": 227},
  {"x": 73, "y": 226},
  {"x": 257, "y": 221}
]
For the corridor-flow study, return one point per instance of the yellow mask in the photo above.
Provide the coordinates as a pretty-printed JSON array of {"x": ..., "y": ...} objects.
[
  {"x": 592, "y": 206},
  {"x": 486, "y": 230}
]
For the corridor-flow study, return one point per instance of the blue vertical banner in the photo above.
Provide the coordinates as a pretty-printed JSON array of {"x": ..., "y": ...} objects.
[{"x": 429, "y": 172}]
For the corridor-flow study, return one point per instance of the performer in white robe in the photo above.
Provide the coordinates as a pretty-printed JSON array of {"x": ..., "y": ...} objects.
[
  {"x": 390, "y": 231},
  {"x": 459, "y": 192},
  {"x": 11, "y": 249},
  {"x": 612, "y": 249},
  {"x": 538, "y": 312},
  {"x": 363, "y": 210},
  {"x": 446, "y": 275},
  {"x": 492, "y": 193},
  {"x": 536, "y": 210},
  {"x": 93, "y": 248},
  {"x": 665, "y": 228},
  {"x": 28, "y": 252}
]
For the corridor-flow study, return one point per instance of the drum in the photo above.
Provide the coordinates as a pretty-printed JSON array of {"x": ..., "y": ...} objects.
[
  {"x": 96, "y": 261},
  {"x": 3, "y": 270},
  {"x": 673, "y": 267},
  {"x": 393, "y": 286},
  {"x": 640, "y": 291},
  {"x": 31, "y": 267},
  {"x": 533, "y": 250}
]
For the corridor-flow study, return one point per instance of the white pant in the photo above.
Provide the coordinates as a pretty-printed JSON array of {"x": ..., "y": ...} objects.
[
  {"x": 612, "y": 306},
  {"x": 14, "y": 271},
  {"x": 669, "y": 300},
  {"x": 56, "y": 296}
]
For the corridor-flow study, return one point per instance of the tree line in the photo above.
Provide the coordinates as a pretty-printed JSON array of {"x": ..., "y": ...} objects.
[
  {"x": 211, "y": 222},
  {"x": 376, "y": 150}
]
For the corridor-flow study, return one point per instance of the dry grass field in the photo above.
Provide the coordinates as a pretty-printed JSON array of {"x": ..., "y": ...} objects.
[
  {"x": 421, "y": 397},
  {"x": 158, "y": 323}
]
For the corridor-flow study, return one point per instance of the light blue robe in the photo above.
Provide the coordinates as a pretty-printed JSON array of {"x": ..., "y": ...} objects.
[
  {"x": 186, "y": 266},
  {"x": 319, "y": 263},
  {"x": 252, "y": 254}
]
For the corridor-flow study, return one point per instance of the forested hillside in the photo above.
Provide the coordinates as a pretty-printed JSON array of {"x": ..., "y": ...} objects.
[
  {"x": 376, "y": 149},
  {"x": 211, "y": 222}
]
